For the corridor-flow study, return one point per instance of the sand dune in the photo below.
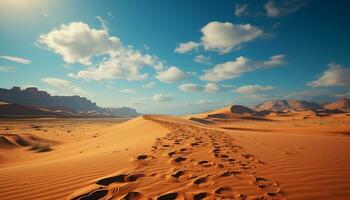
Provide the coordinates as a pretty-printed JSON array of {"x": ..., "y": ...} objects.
[
  {"x": 233, "y": 112},
  {"x": 179, "y": 167},
  {"x": 163, "y": 157},
  {"x": 56, "y": 174}
]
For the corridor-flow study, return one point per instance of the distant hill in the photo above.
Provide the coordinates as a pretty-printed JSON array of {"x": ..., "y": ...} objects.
[
  {"x": 232, "y": 112},
  {"x": 9, "y": 109},
  {"x": 41, "y": 101},
  {"x": 342, "y": 104},
  {"x": 287, "y": 105},
  {"x": 122, "y": 112}
]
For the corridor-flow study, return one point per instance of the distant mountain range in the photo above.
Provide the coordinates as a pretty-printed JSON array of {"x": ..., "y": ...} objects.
[
  {"x": 342, "y": 104},
  {"x": 33, "y": 102},
  {"x": 298, "y": 105},
  {"x": 276, "y": 108}
]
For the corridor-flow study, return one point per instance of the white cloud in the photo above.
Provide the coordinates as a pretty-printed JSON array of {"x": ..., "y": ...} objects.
[
  {"x": 186, "y": 47},
  {"x": 212, "y": 87},
  {"x": 190, "y": 87},
  {"x": 128, "y": 91},
  {"x": 241, "y": 9},
  {"x": 163, "y": 97},
  {"x": 223, "y": 37},
  {"x": 17, "y": 59},
  {"x": 7, "y": 69},
  {"x": 335, "y": 75},
  {"x": 283, "y": 8},
  {"x": 123, "y": 65},
  {"x": 65, "y": 87},
  {"x": 252, "y": 89},
  {"x": 234, "y": 69},
  {"x": 149, "y": 85},
  {"x": 202, "y": 59},
  {"x": 78, "y": 43},
  {"x": 171, "y": 75},
  {"x": 209, "y": 87}
]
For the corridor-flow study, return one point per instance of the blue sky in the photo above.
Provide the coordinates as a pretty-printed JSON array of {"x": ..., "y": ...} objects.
[{"x": 177, "y": 56}]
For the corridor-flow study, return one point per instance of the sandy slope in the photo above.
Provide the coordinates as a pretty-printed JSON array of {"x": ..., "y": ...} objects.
[
  {"x": 160, "y": 157},
  {"x": 69, "y": 166}
]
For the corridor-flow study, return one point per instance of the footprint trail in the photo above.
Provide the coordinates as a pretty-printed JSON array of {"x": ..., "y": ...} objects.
[{"x": 190, "y": 162}]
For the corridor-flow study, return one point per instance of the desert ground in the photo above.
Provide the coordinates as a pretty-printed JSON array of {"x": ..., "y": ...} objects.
[{"x": 218, "y": 155}]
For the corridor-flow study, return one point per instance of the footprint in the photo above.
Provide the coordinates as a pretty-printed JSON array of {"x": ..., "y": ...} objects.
[
  {"x": 230, "y": 173},
  {"x": 178, "y": 174},
  {"x": 96, "y": 194},
  {"x": 183, "y": 149},
  {"x": 171, "y": 153},
  {"x": 222, "y": 190},
  {"x": 179, "y": 159},
  {"x": 142, "y": 157},
  {"x": 200, "y": 180},
  {"x": 120, "y": 179},
  {"x": 203, "y": 162},
  {"x": 200, "y": 196},
  {"x": 113, "y": 179},
  {"x": 195, "y": 144},
  {"x": 169, "y": 196}
]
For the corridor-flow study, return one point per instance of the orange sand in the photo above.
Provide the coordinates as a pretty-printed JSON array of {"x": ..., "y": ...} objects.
[{"x": 227, "y": 155}]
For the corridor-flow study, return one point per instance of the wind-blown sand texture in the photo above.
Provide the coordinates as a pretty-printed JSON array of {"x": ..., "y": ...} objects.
[{"x": 159, "y": 157}]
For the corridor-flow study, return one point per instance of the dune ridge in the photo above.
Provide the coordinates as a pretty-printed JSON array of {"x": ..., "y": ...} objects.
[
  {"x": 178, "y": 167},
  {"x": 56, "y": 174}
]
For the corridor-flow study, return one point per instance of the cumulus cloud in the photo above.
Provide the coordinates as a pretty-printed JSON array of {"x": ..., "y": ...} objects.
[
  {"x": 252, "y": 89},
  {"x": 223, "y": 37},
  {"x": 121, "y": 65},
  {"x": 335, "y": 75},
  {"x": 202, "y": 59},
  {"x": 7, "y": 69},
  {"x": 212, "y": 87},
  {"x": 65, "y": 87},
  {"x": 241, "y": 9},
  {"x": 209, "y": 87},
  {"x": 190, "y": 87},
  {"x": 163, "y": 97},
  {"x": 186, "y": 47},
  {"x": 128, "y": 91},
  {"x": 236, "y": 68},
  {"x": 149, "y": 85},
  {"x": 77, "y": 42},
  {"x": 17, "y": 59},
  {"x": 283, "y": 8},
  {"x": 171, "y": 75}
]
